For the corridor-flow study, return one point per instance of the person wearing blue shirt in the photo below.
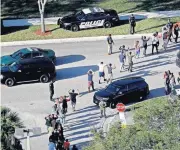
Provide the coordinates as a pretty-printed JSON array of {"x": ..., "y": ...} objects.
[{"x": 90, "y": 80}]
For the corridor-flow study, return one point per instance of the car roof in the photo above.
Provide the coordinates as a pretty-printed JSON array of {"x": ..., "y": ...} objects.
[
  {"x": 129, "y": 80},
  {"x": 92, "y": 10}
]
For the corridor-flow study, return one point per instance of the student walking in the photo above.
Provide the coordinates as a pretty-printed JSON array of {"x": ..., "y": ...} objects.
[
  {"x": 155, "y": 43},
  {"x": 72, "y": 96},
  {"x": 178, "y": 78},
  {"x": 137, "y": 49},
  {"x": 170, "y": 27},
  {"x": 64, "y": 104},
  {"x": 101, "y": 71},
  {"x": 176, "y": 32},
  {"x": 90, "y": 80},
  {"x": 110, "y": 42},
  {"x": 66, "y": 145},
  {"x": 132, "y": 23},
  {"x": 122, "y": 57},
  {"x": 102, "y": 106},
  {"x": 51, "y": 90},
  {"x": 144, "y": 41},
  {"x": 172, "y": 81},
  {"x": 165, "y": 38},
  {"x": 166, "y": 83},
  {"x": 110, "y": 73},
  {"x": 130, "y": 61}
]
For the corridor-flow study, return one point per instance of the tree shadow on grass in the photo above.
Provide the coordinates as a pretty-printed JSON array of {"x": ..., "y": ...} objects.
[
  {"x": 69, "y": 59},
  {"x": 67, "y": 73}
]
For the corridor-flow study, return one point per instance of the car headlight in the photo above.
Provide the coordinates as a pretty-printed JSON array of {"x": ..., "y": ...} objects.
[
  {"x": 1, "y": 76},
  {"x": 105, "y": 99}
]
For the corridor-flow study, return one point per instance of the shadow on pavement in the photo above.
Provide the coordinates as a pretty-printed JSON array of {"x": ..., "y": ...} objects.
[
  {"x": 67, "y": 73},
  {"x": 69, "y": 59}
]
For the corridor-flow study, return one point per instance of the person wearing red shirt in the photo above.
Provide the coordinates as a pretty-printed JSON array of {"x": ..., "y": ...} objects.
[{"x": 66, "y": 145}]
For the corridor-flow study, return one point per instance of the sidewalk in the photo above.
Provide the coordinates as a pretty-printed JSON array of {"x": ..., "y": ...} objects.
[
  {"x": 122, "y": 16},
  {"x": 71, "y": 40}
]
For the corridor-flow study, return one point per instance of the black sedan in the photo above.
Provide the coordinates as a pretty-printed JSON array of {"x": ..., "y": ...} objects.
[
  {"x": 89, "y": 18},
  {"x": 125, "y": 91}
]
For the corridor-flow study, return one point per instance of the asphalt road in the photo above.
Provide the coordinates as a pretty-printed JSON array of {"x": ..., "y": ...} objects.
[{"x": 31, "y": 100}]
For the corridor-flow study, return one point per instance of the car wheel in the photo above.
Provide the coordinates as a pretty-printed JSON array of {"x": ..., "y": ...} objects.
[
  {"x": 74, "y": 28},
  {"x": 44, "y": 78},
  {"x": 9, "y": 82},
  {"x": 107, "y": 24},
  {"x": 113, "y": 105}
]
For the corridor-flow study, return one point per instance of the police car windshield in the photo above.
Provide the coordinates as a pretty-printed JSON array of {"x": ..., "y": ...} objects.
[
  {"x": 112, "y": 88},
  {"x": 80, "y": 15},
  {"x": 14, "y": 67}
]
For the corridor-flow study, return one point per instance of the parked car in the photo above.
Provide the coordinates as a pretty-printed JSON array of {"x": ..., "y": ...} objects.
[
  {"x": 41, "y": 69},
  {"x": 178, "y": 59},
  {"x": 89, "y": 18},
  {"x": 27, "y": 53},
  {"x": 123, "y": 91}
]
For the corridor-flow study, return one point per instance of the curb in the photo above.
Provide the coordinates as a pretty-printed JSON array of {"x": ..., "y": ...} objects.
[{"x": 72, "y": 40}]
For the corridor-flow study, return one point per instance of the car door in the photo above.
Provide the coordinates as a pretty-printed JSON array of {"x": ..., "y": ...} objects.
[
  {"x": 121, "y": 95},
  {"x": 133, "y": 93},
  {"x": 23, "y": 73},
  {"x": 35, "y": 71}
]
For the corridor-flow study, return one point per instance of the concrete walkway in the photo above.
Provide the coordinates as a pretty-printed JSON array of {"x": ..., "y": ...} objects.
[{"x": 122, "y": 16}]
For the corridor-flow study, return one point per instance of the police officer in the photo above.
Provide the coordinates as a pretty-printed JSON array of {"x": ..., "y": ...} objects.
[
  {"x": 102, "y": 106},
  {"x": 110, "y": 42},
  {"x": 51, "y": 90},
  {"x": 132, "y": 23}
]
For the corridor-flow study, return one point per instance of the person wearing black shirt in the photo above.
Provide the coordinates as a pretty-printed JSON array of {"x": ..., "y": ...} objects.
[
  {"x": 132, "y": 23},
  {"x": 176, "y": 32},
  {"x": 72, "y": 96},
  {"x": 64, "y": 105},
  {"x": 51, "y": 90}
]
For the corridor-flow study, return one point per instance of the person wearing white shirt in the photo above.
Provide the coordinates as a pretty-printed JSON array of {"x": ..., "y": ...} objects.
[
  {"x": 101, "y": 71},
  {"x": 155, "y": 42}
]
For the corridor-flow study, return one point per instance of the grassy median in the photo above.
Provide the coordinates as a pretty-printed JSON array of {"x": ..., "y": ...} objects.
[{"x": 143, "y": 26}]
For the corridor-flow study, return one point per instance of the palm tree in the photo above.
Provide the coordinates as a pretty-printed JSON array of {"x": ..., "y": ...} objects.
[{"x": 9, "y": 121}]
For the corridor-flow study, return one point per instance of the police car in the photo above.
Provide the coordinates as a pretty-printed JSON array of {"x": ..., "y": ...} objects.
[{"x": 89, "y": 18}]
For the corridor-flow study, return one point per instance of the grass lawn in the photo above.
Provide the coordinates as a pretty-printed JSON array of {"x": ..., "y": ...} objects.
[
  {"x": 144, "y": 26},
  {"x": 29, "y": 9}
]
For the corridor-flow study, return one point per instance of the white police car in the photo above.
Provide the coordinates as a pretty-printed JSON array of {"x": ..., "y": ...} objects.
[{"x": 89, "y": 18}]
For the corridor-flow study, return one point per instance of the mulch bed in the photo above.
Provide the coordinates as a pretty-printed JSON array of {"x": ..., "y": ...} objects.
[{"x": 38, "y": 32}]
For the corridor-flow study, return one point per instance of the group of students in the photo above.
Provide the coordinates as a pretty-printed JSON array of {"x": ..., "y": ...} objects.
[
  {"x": 170, "y": 81},
  {"x": 56, "y": 120}
]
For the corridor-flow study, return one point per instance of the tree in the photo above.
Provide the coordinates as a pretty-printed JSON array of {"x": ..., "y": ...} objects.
[
  {"x": 41, "y": 4},
  {"x": 9, "y": 121}
]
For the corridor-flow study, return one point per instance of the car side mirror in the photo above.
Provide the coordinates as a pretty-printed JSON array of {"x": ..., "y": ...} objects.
[{"x": 19, "y": 70}]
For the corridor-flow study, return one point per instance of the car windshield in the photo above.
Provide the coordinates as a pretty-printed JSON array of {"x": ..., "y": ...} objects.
[
  {"x": 112, "y": 88},
  {"x": 14, "y": 67},
  {"x": 18, "y": 54},
  {"x": 80, "y": 15}
]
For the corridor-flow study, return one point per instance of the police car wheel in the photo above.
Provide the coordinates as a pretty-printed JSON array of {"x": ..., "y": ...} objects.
[
  {"x": 44, "y": 78},
  {"x": 9, "y": 82},
  {"x": 107, "y": 24},
  {"x": 74, "y": 28}
]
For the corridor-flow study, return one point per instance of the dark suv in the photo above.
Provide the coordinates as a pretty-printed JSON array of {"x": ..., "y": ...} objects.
[
  {"x": 123, "y": 91},
  {"x": 41, "y": 69}
]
